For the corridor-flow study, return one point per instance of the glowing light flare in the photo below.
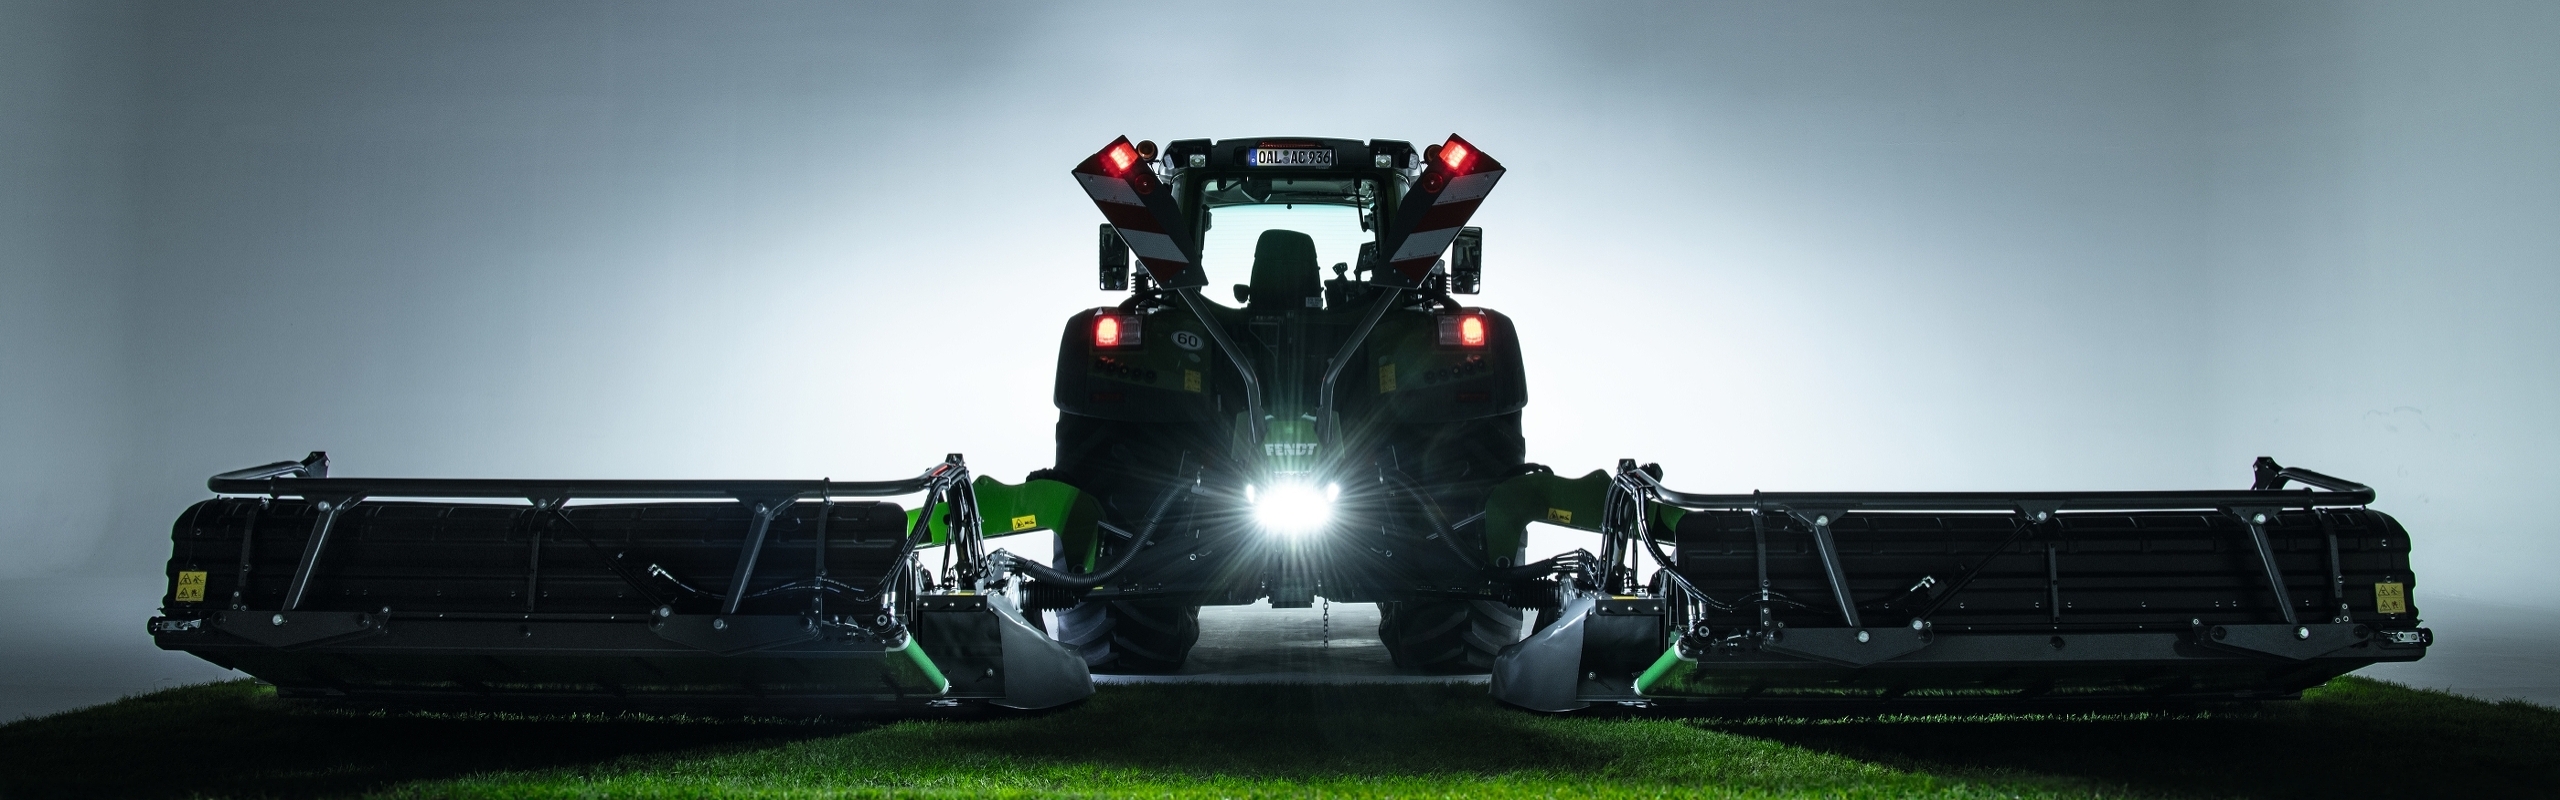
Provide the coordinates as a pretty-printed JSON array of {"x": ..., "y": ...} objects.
[
  {"x": 1106, "y": 331},
  {"x": 1466, "y": 329},
  {"x": 1293, "y": 509},
  {"x": 1119, "y": 157},
  {"x": 1455, "y": 155}
]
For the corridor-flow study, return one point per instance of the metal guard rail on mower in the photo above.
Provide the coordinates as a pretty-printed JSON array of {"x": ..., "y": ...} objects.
[
  {"x": 309, "y": 477},
  {"x": 947, "y": 482}
]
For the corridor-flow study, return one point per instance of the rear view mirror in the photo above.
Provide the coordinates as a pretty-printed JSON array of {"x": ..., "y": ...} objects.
[
  {"x": 1466, "y": 261},
  {"x": 1115, "y": 260}
]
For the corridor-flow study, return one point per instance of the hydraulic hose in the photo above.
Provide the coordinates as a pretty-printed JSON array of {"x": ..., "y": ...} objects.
[{"x": 1062, "y": 579}]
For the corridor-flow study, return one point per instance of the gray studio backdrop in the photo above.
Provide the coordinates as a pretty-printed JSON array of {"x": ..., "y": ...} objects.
[{"x": 1956, "y": 245}]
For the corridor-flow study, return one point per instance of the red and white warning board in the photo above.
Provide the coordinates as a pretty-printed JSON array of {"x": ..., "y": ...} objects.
[
  {"x": 1141, "y": 208},
  {"x": 1455, "y": 178}
]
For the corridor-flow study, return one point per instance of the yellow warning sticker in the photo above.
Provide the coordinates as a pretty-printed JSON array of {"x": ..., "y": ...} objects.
[
  {"x": 1026, "y": 522},
  {"x": 1386, "y": 378},
  {"x": 1191, "y": 380},
  {"x": 2391, "y": 598},
  {"x": 1559, "y": 516},
  {"x": 190, "y": 587}
]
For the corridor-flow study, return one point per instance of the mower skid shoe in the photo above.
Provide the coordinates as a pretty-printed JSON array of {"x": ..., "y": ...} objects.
[
  {"x": 1544, "y": 672},
  {"x": 1041, "y": 672},
  {"x": 991, "y": 652},
  {"x": 1593, "y": 653}
]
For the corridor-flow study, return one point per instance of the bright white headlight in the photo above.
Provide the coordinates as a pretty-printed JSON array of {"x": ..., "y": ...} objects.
[{"x": 1293, "y": 509}]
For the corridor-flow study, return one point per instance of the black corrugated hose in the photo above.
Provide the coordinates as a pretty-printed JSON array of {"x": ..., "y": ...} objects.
[{"x": 1064, "y": 580}]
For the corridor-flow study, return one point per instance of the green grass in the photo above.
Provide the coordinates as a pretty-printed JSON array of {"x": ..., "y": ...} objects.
[{"x": 2351, "y": 739}]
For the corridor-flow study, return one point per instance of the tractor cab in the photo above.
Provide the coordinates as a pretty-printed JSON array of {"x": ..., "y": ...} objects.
[{"x": 1322, "y": 199}]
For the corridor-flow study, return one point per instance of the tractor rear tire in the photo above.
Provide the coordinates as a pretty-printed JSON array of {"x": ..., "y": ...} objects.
[
  {"x": 1448, "y": 636},
  {"x": 1131, "y": 636}
]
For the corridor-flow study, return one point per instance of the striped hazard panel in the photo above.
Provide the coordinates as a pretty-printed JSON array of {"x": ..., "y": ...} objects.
[
  {"x": 1455, "y": 179},
  {"x": 1141, "y": 208}
]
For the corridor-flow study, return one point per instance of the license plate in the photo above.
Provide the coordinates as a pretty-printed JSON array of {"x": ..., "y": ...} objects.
[{"x": 1292, "y": 157}]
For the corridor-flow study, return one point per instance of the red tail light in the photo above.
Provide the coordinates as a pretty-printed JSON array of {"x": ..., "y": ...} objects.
[
  {"x": 1111, "y": 330},
  {"x": 1119, "y": 157},
  {"x": 1463, "y": 330},
  {"x": 1456, "y": 154}
]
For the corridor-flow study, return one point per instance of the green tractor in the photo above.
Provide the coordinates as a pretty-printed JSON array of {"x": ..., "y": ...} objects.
[
  {"x": 1335, "y": 436},
  {"x": 1347, "y": 430}
]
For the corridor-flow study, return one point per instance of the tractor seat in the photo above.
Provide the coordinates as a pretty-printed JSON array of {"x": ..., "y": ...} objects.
[{"x": 1285, "y": 276}]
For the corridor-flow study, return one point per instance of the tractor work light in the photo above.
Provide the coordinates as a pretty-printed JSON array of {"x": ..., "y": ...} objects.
[
  {"x": 1113, "y": 330},
  {"x": 1462, "y": 330},
  {"x": 1292, "y": 509}
]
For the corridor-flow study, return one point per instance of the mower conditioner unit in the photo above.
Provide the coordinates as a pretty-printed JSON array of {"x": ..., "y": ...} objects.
[{"x": 729, "y": 596}]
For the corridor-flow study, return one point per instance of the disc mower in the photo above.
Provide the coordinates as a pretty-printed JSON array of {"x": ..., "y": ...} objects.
[{"x": 1348, "y": 428}]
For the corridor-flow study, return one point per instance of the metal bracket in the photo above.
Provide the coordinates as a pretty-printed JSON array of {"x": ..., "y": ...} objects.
[
  {"x": 2053, "y": 582},
  {"x": 292, "y": 630},
  {"x": 330, "y": 507},
  {"x": 1327, "y": 426},
  {"x": 535, "y": 522},
  {"x": 2337, "y": 568},
  {"x": 1848, "y": 647},
  {"x": 751, "y": 549},
  {"x": 1820, "y": 519},
  {"x": 1226, "y": 344},
  {"x": 2290, "y": 642},
  {"x": 731, "y": 635},
  {"x": 248, "y": 555},
  {"x": 2258, "y": 518},
  {"x": 818, "y": 586},
  {"x": 1763, "y": 598}
]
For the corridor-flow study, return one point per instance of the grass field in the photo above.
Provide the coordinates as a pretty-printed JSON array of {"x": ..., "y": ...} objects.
[{"x": 2351, "y": 739}]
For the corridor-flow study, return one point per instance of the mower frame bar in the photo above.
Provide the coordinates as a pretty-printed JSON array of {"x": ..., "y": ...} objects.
[
  {"x": 2021, "y": 502},
  {"x": 284, "y": 478}
]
